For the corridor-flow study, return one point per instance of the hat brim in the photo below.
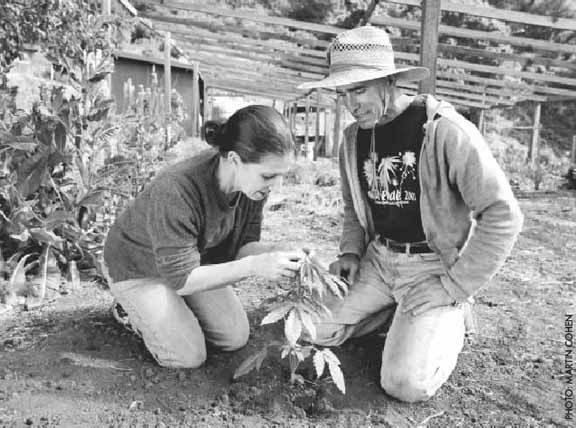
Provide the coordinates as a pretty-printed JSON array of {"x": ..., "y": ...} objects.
[{"x": 348, "y": 77}]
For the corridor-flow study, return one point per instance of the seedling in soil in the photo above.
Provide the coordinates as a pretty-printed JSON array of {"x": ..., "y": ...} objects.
[{"x": 301, "y": 307}]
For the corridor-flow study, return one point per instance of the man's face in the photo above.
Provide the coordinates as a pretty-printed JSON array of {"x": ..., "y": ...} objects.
[
  {"x": 365, "y": 101},
  {"x": 256, "y": 180}
]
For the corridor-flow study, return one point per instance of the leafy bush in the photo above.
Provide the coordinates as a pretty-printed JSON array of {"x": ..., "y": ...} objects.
[{"x": 71, "y": 163}]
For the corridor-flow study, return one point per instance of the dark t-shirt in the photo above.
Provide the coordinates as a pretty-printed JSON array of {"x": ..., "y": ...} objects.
[
  {"x": 390, "y": 179},
  {"x": 179, "y": 221}
]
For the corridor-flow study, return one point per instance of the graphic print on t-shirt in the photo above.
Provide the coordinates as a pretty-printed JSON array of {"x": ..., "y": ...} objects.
[{"x": 391, "y": 179}]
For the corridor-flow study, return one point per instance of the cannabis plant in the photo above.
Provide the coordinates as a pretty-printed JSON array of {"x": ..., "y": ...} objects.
[{"x": 301, "y": 307}]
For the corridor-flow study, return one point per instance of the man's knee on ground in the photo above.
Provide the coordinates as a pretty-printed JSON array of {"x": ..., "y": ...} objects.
[
  {"x": 180, "y": 360},
  {"x": 406, "y": 387},
  {"x": 328, "y": 335}
]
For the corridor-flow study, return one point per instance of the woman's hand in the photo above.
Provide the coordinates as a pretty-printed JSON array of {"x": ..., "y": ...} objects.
[{"x": 276, "y": 265}]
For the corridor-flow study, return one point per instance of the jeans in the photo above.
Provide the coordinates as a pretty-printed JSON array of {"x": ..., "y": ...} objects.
[
  {"x": 421, "y": 351},
  {"x": 175, "y": 328}
]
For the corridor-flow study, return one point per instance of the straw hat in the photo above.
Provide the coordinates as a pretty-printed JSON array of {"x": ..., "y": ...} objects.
[{"x": 362, "y": 54}]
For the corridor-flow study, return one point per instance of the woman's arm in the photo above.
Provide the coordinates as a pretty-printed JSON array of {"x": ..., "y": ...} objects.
[
  {"x": 256, "y": 247},
  {"x": 269, "y": 265}
]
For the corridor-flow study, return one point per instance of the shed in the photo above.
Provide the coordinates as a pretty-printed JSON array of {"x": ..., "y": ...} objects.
[{"x": 139, "y": 69}]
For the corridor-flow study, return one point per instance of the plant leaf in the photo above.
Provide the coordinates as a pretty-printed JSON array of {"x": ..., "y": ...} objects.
[
  {"x": 93, "y": 199},
  {"x": 308, "y": 323},
  {"x": 319, "y": 362},
  {"x": 73, "y": 275},
  {"x": 330, "y": 357},
  {"x": 58, "y": 218},
  {"x": 254, "y": 361},
  {"x": 276, "y": 314},
  {"x": 24, "y": 236},
  {"x": 285, "y": 351},
  {"x": 17, "y": 283},
  {"x": 40, "y": 292},
  {"x": 46, "y": 236},
  {"x": 336, "y": 375},
  {"x": 331, "y": 285},
  {"x": 316, "y": 282},
  {"x": 31, "y": 172},
  {"x": 319, "y": 308},
  {"x": 24, "y": 146},
  {"x": 293, "y": 327}
]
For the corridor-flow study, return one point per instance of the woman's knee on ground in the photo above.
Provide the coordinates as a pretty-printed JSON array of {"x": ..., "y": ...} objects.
[
  {"x": 231, "y": 336},
  {"x": 236, "y": 339}
]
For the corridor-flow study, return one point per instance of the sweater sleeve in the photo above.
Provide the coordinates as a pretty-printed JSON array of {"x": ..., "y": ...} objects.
[
  {"x": 173, "y": 226},
  {"x": 484, "y": 188},
  {"x": 352, "y": 240}
]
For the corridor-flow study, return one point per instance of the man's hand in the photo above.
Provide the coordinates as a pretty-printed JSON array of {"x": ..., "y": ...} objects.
[
  {"x": 425, "y": 296},
  {"x": 346, "y": 267}
]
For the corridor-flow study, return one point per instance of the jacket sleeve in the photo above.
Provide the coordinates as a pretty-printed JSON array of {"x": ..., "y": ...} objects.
[
  {"x": 476, "y": 176},
  {"x": 352, "y": 240}
]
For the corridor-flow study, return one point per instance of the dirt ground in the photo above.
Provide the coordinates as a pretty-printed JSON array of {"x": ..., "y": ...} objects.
[{"x": 69, "y": 364}]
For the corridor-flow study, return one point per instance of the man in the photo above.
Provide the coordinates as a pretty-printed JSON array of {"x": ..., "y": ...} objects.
[{"x": 429, "y": 217}]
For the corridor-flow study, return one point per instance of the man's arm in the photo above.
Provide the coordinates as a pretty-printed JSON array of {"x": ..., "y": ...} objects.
[
  {"x": 485, "y": 190},
  {"x": 352, "y": 239}
]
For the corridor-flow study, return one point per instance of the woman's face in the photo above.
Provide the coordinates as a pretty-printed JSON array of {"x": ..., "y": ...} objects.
[{"x": 256, "y": 180}]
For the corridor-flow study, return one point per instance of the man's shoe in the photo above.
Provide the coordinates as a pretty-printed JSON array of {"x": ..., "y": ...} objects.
[{"x": 121, "y": 316}]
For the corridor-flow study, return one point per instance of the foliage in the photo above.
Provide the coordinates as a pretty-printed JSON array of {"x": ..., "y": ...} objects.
[
  {"x": 65, "y": 30},
  {"x": 311, "y": 11},
  {"x": 49, "y": 156},
  {"x": 301, "y": 308},
  {"x": 49, "y": 181},
  {"x": 140, "y": 147},
  {"x": 22, "y": 23},
  {"x": 70, "y": 164}
]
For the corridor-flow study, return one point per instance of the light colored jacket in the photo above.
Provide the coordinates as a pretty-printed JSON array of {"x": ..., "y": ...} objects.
[{"x": 469, "y": 213}]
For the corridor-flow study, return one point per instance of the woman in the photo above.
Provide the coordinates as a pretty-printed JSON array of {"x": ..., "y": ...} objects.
[{"x": 193, "y": 231}]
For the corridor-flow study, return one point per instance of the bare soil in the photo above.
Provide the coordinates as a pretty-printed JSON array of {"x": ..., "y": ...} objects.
[{"x": 68, "y": 364}]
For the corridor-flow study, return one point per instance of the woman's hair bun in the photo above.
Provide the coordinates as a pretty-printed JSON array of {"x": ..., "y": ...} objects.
[{"x": 212, "y": 129}]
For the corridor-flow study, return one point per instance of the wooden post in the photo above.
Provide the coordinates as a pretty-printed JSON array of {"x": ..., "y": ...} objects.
[
  {"x": 336, "y": 140},
  {"x": 205, "y": 105},
  {"x": 306, "y": 118},
  {"x": 533, "y": 152},
  {"x": 369, "y": 11},
  {"x": 481, "y": 121},
  {"x": 107, "y": 10},
  {"x": 317, "y": 133},
  {"x": 429, "y": 46},
  {"x": 573, "y": 155},
  {"x": 327, "y": 139},
  {"x": 167, "y": 75},
  {"x": 167, "y": 87},
  {"x": 195, "y": 100},
  {"x": 294, "y": 117},
  {"x": 210, "y": 104}
]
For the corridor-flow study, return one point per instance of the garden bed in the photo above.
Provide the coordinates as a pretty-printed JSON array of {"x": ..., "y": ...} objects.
[{"x": 69, "y": 364}]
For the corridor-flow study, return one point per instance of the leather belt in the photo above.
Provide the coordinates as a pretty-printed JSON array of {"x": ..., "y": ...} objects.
[{"x": 406, "y": 247}]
